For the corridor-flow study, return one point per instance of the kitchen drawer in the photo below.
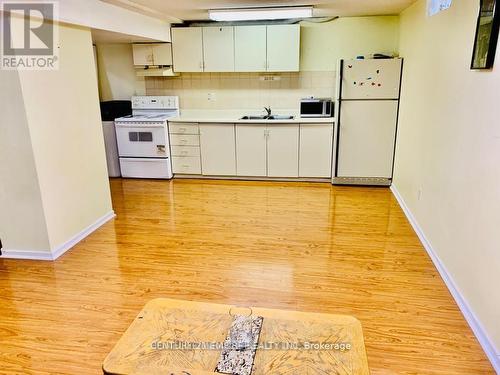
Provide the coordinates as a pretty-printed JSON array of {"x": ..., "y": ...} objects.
[
  {"x": 145, "y": 168},
  {"x": 186, "y": 165},
  {"x": 186, "y": 151},
  {"x": 183, "y": 128},
  {"x": 184, "y": 140}
]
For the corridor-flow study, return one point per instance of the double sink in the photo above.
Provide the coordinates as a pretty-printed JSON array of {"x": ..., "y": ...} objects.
[{"x": 268, "y": 117}]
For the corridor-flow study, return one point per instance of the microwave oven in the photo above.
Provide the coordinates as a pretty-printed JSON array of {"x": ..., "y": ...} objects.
[{"x": 316, "y": 107}]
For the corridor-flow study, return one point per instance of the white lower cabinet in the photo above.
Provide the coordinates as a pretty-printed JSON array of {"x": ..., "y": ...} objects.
[
  {"x": 186, "y": 164},
  {"x": 283, "y": 150},
  {"x": 251, "y": 148},
  {"x": 183, "y": 151},
  {"x": 315, "y": 153},
  {"x": 218, "y": 154},
  {"x": 185, "y": 148}
]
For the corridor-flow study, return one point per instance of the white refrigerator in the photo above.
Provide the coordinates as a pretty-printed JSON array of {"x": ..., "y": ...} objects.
[{"x": 367, "y": 114}]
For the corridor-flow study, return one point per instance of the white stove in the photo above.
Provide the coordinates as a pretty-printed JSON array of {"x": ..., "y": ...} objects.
[{"x": 143, "y": 144}]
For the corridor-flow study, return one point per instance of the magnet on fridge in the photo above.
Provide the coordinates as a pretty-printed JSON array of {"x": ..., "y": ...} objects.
[
  {"x": 373, "y": 83},
  {"x": 378, "y": 71},
  {"x": 379, "y": 84},
  {"x": 355, "y": 83},
  {"x": 369, "y": 78},
  {"x": 349, "y": 66}
]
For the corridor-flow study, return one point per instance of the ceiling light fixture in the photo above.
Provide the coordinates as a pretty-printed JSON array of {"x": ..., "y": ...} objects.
[{"x": 252, "y": 14}]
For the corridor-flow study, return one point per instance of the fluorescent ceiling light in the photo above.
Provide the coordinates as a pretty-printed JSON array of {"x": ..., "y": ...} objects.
[{"x": 251, "y": 14}]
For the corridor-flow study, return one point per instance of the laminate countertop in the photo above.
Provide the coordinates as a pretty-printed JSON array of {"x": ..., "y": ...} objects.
[{"x": 234, "y": 117}]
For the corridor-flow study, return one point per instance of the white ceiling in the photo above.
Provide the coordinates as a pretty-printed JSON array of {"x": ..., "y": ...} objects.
[{"x": 186, "y": 10}]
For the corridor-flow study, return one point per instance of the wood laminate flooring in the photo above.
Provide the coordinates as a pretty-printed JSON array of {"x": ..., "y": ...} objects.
[{"x": 308, "y": 247}]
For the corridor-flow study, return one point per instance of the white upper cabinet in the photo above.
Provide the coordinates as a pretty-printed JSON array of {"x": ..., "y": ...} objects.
[
  {"x": 250, "y": 48},
  {"x": 283, "y": 150},
  {"x": 218, "y": 153},
  {"x": 152, "y": 53},
  {"x": 162, "y": 54},
  {"x": 218, "y": 49},
  {"x": 187, "y": 48},
  {"x": 272, "y": 48},
  {"x": 143, "y": 54},
  {"x": 283, "y": 48}
]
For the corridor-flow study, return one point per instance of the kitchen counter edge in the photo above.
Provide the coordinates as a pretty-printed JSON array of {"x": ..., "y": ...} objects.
[{"x": 299, "y": 120}]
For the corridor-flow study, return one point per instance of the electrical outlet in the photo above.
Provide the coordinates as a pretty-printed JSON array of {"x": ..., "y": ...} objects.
[{"x": 211, "y": 97}]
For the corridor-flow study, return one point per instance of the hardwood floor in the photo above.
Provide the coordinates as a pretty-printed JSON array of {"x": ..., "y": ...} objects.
[{"x": 300, "y": 246}]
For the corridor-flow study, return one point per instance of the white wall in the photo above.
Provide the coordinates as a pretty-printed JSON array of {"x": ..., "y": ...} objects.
[
  {"x": 117, "y": 77},
  {"x": 449, "y": 150}
]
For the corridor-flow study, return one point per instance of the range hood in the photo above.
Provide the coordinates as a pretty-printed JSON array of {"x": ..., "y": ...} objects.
[{"x": 156, "y": 72}]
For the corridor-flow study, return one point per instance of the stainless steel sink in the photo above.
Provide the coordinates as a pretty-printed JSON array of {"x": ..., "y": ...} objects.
[
  {"x": 280, "y": 117},
  {"x": 265, "y": 117}
]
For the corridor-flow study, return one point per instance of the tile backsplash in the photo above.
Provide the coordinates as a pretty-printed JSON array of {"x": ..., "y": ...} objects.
[{"x": 243, "y": 90}]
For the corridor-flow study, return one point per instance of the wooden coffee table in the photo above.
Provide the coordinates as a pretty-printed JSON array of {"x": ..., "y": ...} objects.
[{"x": 143, "y": 349}]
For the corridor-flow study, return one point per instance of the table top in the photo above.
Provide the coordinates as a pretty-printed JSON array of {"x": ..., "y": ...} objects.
[{"x": 290, "y": 342}]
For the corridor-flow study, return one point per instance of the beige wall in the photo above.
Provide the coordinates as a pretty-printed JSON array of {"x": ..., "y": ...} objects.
[
  {"x": 62, "y": 109},
  {"x": 22, "y": 221},
  {"x": 117, "y": 76},
  {"x": 53, "y": 167},
  {"x": 448, "y": 152},
  {"x": 323, "y": 44}
]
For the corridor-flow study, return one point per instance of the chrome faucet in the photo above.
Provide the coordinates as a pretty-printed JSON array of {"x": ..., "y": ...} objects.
[{"x": 268, "y": 110}]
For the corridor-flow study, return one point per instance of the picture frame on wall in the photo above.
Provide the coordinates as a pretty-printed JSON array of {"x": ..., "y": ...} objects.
[{"x": 486, "y": 39}]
